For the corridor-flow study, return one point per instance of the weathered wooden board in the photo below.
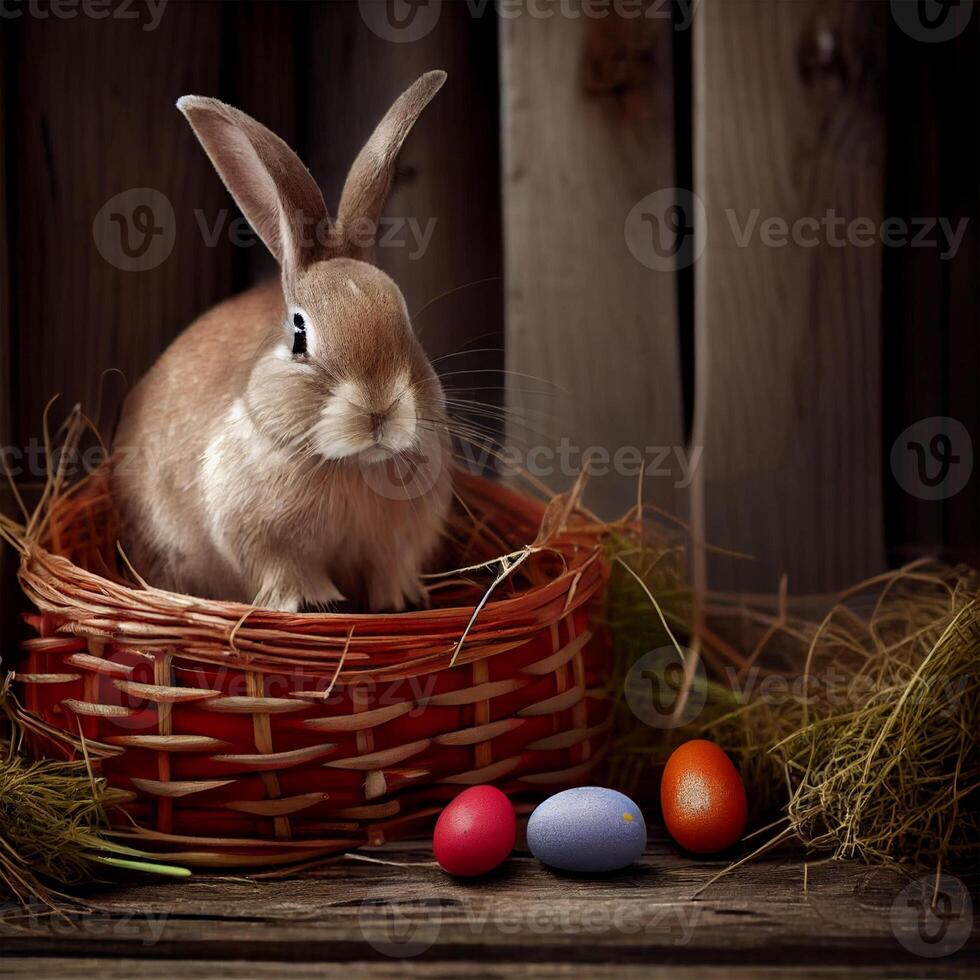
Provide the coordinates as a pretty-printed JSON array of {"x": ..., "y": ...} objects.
[
  {"x": 384, "y": 918},
  {"x": 440, "y": 236},
  {"x": 79, "y": 311},
  {"x": 588, "y": 126},
  {"x": 789, "y": 125}
]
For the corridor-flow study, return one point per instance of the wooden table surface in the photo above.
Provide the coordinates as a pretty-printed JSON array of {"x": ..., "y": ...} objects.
[{"x": 358, "y": 918}]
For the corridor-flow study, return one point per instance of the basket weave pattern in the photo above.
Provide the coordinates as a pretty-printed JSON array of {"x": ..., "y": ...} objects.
[{"x": 241, "y": 736}]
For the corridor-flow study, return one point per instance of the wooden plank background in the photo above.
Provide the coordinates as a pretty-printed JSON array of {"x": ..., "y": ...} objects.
[
  {"x": 592, "y": 333},
  {"x": 789, "y": 115},
  {"x": 76, "y": 314},
  {"x": 531, "y": 174}
]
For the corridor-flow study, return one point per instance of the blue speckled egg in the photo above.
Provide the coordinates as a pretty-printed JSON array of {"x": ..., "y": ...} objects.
[{"x": 587, "y": 829}]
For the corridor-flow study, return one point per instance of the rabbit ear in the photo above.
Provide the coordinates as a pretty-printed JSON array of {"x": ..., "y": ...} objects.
[
  {"x": 275, "y": 192},
  {"x": 369, "y": 180}
]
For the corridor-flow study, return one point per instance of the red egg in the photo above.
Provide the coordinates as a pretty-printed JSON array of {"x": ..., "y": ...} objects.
[
  {"x": 702, "y": 798},
  {"x": 475, "y": 832}
]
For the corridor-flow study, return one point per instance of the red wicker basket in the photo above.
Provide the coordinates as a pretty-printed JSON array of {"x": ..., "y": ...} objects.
[{"x": 242, "y": 737}]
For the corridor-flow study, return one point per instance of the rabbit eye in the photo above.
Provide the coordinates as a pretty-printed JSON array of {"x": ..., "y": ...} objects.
[{"x": 299, "y": 335}]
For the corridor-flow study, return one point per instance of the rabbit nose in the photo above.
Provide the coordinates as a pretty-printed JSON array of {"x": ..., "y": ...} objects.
[{"x": 377, "y": 424}]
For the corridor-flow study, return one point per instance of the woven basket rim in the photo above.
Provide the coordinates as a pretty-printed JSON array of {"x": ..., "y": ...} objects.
[{"x": 91, "y": 604}]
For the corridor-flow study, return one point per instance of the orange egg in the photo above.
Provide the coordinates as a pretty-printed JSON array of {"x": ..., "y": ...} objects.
[{"x": 702, "y": 798}]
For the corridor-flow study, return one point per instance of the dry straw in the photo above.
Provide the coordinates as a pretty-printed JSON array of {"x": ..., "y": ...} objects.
[{"x": 880, "y": 754}]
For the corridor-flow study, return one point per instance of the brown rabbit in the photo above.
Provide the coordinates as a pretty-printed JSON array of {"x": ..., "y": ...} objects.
[{"x": 255, "y": 462}]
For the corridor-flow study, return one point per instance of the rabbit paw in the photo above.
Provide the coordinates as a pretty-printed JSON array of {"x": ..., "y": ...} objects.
[
  {"x": 273, "y": 597},
  {"x": 394, "y": 595},
  {"x": 291, "y": 591}
]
